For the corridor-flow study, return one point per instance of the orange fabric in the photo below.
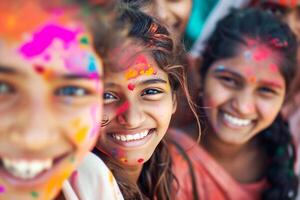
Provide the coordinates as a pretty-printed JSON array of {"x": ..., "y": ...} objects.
[{"x": 213, "y": 182}]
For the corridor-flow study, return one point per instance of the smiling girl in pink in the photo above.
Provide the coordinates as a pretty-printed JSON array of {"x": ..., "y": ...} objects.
[
  {"x": 246, "y": 150},
  {"x": 50, "y": 95}
]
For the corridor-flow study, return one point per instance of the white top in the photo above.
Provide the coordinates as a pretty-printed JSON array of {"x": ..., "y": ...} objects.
[{"x": 94, "y": 181}]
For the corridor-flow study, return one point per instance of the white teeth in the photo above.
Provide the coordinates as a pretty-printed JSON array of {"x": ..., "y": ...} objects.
[
  {"x": 236, "y": 121},
  {"x": 26, "y": 169},
  {"x": 131, "y": 137}
]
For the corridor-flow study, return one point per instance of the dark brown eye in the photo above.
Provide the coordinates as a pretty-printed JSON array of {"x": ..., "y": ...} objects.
[{"x": 151, "y": 92}]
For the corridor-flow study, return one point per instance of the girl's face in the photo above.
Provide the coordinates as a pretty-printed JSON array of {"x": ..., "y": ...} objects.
[
  {"x": 243, "y": 94},
  {"x": 138, "y": 103},
  {"x": 174, "y": 13},
  {"x": 50, "y": 101}
]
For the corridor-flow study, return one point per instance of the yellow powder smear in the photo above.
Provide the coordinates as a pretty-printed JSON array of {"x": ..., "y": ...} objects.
[{"x": 81, "y": 134}]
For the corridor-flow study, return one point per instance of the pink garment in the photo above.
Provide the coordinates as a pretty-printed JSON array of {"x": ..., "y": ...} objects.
[{"x": 212, "y": 181}]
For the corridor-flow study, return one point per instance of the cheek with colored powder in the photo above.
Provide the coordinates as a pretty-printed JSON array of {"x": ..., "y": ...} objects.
[{"x": 123, "y": 108}]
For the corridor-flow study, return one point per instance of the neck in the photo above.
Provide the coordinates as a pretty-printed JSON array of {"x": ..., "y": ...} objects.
[
  {"x": 133, "y": 172},
  {"x": 223, "y": 151}
]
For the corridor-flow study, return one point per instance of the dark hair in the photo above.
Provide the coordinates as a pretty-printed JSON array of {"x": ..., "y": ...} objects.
[
  {"x": 156, "y": 180},
  {"x": 232, "y": 33}
]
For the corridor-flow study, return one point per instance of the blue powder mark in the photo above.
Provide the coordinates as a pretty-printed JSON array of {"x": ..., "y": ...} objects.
[
  {"x": 247, "y": 55},
  {"x": 114, "y": 152},
  {"x": 221, "y": 68},
  {"x": 92, "y": 67}
]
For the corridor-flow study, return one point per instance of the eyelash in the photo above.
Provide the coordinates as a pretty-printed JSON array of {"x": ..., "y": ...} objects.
[
  {"x": 73, "y": 91},
  {"x": 110, "y": 97},
  {"x": 228, "y": 81},
  {"x": 156, "y": 91},
  {"x": 267, "y": 90}
]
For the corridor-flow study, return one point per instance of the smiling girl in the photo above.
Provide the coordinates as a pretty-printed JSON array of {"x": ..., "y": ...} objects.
[
  {"x": 139, "y": 100},
  {"x": 50, "y": 95},
  {"x": 247, "y": 151}
]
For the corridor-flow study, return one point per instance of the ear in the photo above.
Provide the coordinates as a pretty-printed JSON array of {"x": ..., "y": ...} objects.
[{"x": 174, "y": 99}]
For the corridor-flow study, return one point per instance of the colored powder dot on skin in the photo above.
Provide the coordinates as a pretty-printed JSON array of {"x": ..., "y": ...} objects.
[
  {"x": 140, "y": 160},
  {"x": 72, "y": 158},
  {"x": 34, "y": 194},
  {"x": 81, "y": 134},
  {"x": 123, "y": 160},
  {"x": 273, "y": 67},
  {"x": 247, "y": 55},
  {"x": 84, "y": 40},
  {"x": 92, "y": 64},
  {"x": 220, "y": 68},
  {"x": 39, "y": 69},
  {"x": 252, "y": 79},
  {"x": 2, "y": 189},
  {"x": 131, "y": 86},
  {"x": 150, "y": 71},
  {"x": 130, "y": 74}
]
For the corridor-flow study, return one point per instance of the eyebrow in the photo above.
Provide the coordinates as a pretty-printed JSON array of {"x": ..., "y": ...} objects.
[
  {"x": 228, "y": 71},
  {"x": 152, "y": 81},
  {"x": 7, "y": 70},
  {"x": 145, "y": 82},
  {"x": 89, "y": 76},
  {"x": 272, "y": 83}
]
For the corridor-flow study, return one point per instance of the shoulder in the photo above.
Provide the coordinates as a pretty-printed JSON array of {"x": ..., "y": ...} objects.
[{"x": 95, "y": 181}]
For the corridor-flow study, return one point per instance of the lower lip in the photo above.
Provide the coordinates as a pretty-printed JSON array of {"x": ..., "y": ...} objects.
[
  {"x": 134, "y": 143},
  {"x": 229, "y": 124},
  {"x": 30, "y": 183}
]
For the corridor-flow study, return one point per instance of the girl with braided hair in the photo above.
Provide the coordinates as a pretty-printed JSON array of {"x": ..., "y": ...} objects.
[{"x": 247, "y": 150}]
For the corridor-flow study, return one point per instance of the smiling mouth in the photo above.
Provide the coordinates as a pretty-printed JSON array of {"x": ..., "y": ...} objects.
[
  {"x": 22, "y": 169},
  {"x": 235, "y": 121},
  {"x": 132, "y": 138}
]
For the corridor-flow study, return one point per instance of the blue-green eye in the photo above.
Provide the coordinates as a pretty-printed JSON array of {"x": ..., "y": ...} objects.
[
  {"x": 151, "y": 92},
  {"x": 5, "y": 88},
  {"x": 72, "y": 91}
]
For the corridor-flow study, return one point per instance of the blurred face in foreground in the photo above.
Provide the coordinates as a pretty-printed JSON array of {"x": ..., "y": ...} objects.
[{"x": 50, "y": 98}]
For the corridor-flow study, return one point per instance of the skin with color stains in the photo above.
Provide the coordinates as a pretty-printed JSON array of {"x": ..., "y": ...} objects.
[
  {"x": 148, "y": 108},
  {"x": 257, "y": 98},
  {"x": 50, "y": 55}
]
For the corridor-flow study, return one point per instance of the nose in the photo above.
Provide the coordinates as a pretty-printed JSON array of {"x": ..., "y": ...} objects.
[
  {"x": 35, "y": 128},
  {"x": 131, "y": 115},
  {"x": 244, "y": 103}
]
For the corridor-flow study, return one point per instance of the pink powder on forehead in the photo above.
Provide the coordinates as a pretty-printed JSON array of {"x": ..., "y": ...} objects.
[
  {"x": 44, "y": 38},
  {"x": 261, "y": 53}
]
